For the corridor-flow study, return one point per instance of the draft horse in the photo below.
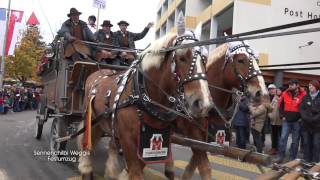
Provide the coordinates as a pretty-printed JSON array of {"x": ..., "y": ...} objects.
[
  {"x": 155, "y": 81},
  {"x": 234, "y": 65},
  {"x": 230, "y": 65}
]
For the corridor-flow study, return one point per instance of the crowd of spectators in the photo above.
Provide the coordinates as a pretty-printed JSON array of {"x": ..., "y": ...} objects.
[
  {"x": 294, "y": 111},
  {"x": 15, "y": 98}
]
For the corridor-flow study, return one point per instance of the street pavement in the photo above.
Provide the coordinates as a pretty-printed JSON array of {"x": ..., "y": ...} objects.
[{"x": 20, "y": 158}]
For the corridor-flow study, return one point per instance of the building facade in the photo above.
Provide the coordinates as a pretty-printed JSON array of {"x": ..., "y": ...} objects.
[{"x": 237, "y": 16}]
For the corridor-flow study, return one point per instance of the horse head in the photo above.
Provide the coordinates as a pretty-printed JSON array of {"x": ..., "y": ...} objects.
[
  {"x": 182, "y": 69},
  {"x": 239, "y": 63}
]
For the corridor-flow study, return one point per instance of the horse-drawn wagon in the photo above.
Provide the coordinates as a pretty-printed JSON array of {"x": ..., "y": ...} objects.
[{"x": 62, "y": 98}]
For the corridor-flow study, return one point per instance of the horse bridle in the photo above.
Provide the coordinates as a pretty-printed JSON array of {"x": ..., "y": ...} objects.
[
  {"x": 191, "y": 76},
  {"x": 252, "y": 71}
]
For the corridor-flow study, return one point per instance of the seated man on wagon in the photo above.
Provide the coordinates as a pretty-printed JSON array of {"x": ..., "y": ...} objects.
[
  {"x": 107, "y": 37},
  {"x": 126, "y": 39},
  {"x": 75, "y": 29}
]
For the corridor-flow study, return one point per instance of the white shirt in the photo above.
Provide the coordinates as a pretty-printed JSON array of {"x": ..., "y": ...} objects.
[{"x": 93, "y": 28}]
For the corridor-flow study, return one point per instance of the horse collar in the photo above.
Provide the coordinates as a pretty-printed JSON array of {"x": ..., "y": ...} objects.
[{"x": 144, "y": 102}]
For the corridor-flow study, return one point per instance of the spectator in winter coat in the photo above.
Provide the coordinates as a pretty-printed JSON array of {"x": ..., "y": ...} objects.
[
  {"x": 241, "y": 123},
  {"x": 275, "y": 120},
  {"x": 310, "y": 114},
  {"x": 289, "y": 103},
  {"x": 258, "y": 112},
  {"x": 1, "y": 103}
]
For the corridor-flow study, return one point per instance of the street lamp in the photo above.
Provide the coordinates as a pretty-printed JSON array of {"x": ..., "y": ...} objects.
[{"x": 308, "y": 44}]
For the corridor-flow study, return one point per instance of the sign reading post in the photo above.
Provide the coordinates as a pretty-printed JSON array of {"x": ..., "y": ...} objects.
[{"x": 100, "y": 4}]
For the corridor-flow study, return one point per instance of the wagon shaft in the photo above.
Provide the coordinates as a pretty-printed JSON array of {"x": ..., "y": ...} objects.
[{"x": 237, "y": 153}]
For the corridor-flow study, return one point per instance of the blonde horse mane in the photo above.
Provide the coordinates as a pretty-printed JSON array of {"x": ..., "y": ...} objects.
[
  {"x": 152, "y": 56},
  {"x": 217, "y": 54}
]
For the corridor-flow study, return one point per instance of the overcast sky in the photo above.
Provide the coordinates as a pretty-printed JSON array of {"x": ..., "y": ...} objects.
[{"x": 54, "y": 12}]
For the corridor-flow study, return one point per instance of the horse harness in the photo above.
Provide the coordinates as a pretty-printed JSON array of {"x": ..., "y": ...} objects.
[
  {"x": 191, "y": 76},
  {"x": 140, "y": 97},
  {"x": 243, "y": 48}
]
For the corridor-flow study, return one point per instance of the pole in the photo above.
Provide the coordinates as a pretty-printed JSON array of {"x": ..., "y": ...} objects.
[
  {"x": 276, "y": 174},
  {"x": 251, "y": 157},
  {"x": 98, "y": 19},
  {"x": 4, "y": 47}
]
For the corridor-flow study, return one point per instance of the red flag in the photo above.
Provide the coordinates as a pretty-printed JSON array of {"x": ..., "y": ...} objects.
[
  {"x": 15, "y": 17},
  {"x": 33, "y": 20}
]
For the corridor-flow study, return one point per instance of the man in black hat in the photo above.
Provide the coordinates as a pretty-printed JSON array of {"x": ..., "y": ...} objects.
[
  {"x": 75, "y": 29},
  {"x": 126, "y": 39},
  {"x": 106, "y": 36}
]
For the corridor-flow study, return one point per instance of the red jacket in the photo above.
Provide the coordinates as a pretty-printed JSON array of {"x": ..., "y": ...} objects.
[{"x": 289, "y": 104}]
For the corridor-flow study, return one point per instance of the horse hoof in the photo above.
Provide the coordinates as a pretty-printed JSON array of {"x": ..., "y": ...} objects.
[
  {"x": 87, "y": 176},
  {"x": 169, "y": 175}
]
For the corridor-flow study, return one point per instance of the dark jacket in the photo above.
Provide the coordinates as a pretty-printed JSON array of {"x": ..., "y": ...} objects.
[
  {"x": 67, "y": 31},
  {"x": 131, "y": 37},
  {"x": 289, "y": 105},
  {"x": 310, "y": 113},
  {"x": 100, "y": 36},
  {"x": 242, "y": 116}
]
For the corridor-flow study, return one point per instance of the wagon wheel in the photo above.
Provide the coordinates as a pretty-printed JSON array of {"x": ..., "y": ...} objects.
[
  {"x": 58, "y": 129},
  {"x": 39, "y": 127},
  {"x": 40, "y": 119}
]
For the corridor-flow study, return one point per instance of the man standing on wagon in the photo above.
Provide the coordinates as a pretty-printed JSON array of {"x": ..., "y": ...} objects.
[{"x": 126, "y": 39}]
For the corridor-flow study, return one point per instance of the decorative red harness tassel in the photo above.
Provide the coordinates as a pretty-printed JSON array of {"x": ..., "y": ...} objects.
[{"x": 87, "y": 144}]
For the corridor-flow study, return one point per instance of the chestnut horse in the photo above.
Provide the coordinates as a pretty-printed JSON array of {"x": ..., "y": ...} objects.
[
  {"x": 177, "y": 74},
  {"x": 231, "y": 65},
  {"x": 234, "y": 65}
]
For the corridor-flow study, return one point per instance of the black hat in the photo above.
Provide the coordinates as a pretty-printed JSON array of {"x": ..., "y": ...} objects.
[
  {"x": 106, "y": 23},
  {"x": 123, "y": 22},
  {"x": 93, "y": 18},
  {"x": 74, "y": 11},
  {"x": 293, "y": 81}
]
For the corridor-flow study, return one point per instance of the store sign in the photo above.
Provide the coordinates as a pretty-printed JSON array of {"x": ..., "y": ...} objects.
[{"x": 301, "y": 14}]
